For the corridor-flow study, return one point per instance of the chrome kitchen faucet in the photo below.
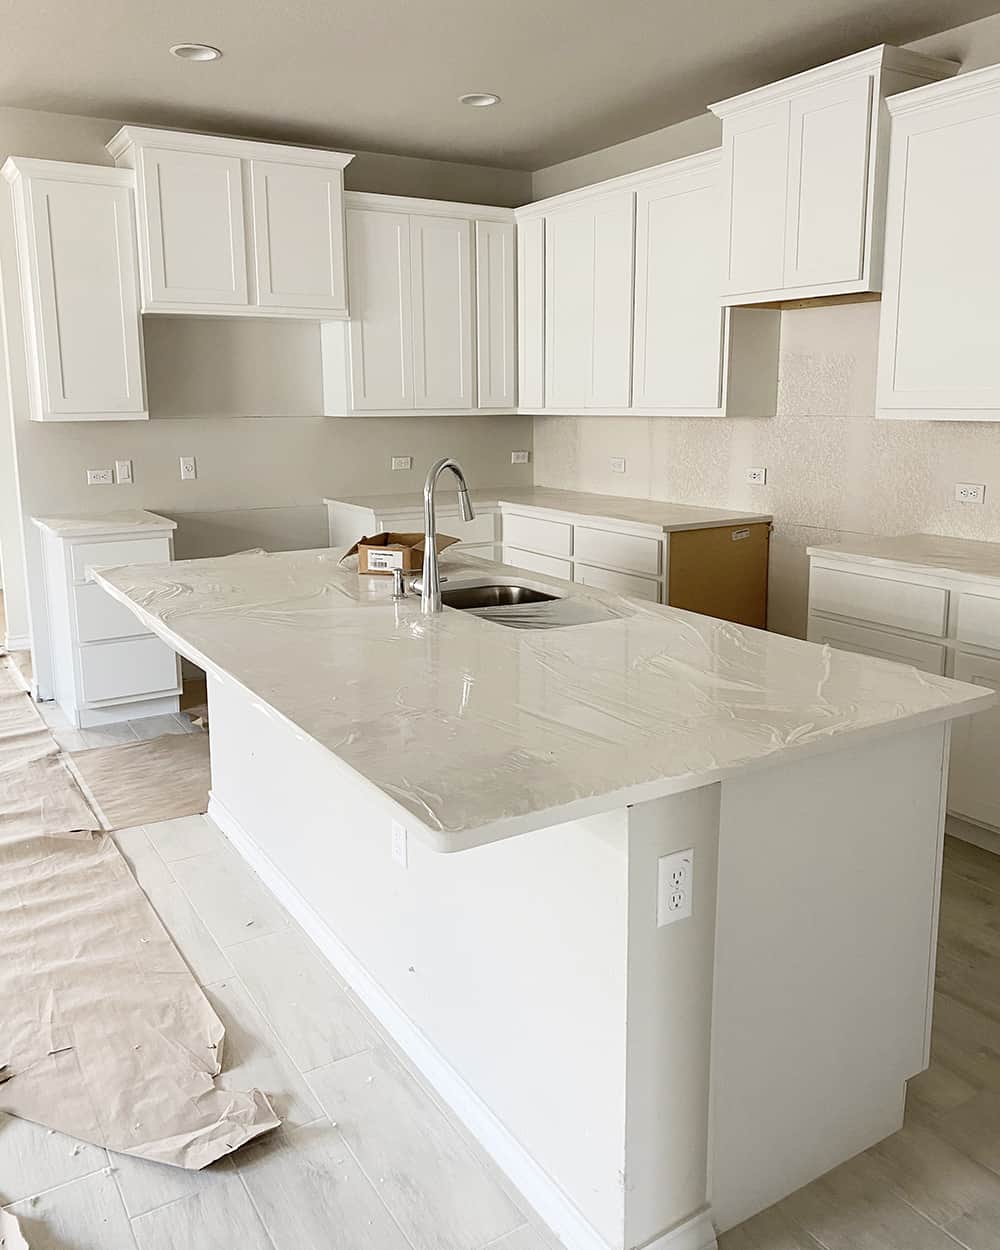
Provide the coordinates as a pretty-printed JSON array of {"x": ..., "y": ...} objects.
[{"x": 430, "y": 580}]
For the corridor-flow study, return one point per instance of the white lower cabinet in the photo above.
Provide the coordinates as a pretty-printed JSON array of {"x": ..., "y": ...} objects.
[
  {"x": 617, "y": 582},
  {"x": 936, "y": 623},
  {"x": 534, "y": 562},
  {"x": 105, "y": 665}
]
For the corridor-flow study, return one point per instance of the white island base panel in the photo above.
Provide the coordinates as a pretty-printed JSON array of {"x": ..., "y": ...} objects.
[{"x": 641, "y": 1085}]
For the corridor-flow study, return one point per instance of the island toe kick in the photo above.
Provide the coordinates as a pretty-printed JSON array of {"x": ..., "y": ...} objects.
[{"x": 641, "y": 1083}]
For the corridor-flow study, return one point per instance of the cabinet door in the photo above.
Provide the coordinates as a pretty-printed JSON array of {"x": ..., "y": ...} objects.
[
  {"x": 298, "y": 230},
  {"x": 531, "y": 313},
  {"x": 755, "y": 169},
  {"x": 441, "y": 285},
  {"x": 830, "y": 129},
  {"x": 85, "y": 316},
  {"x": 974, "y": 785},
  {"x": 495, "y": 353},
  {"x": 589, "y": 280},
  {"x": 381, "y": 327},
  {"x": 678, "y": 319},
  {"x": 940, "y": 326},
  {"x": 569, "y": 297},
  {"x": 614, "y": 284},
  {"x": 194, "y": 232}
]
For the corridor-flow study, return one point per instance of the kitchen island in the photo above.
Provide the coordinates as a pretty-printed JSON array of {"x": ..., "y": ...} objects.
[{"x": 645, "y": 1076}]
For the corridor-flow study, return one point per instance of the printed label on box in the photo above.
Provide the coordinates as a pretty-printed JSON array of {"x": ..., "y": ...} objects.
[
  {"x": 738, "y": 534},
  {"x": 385, "y": 559}
]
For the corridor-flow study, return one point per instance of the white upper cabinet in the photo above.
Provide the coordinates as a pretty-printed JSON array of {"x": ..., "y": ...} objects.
[
  {"x": 432, "y": 323},
  {"x": 938, "y": 343},
  {"x": 441, "y": 290},
  {"x": 589, "y": 249},
  {"x": 804, "y": 167},
  {"x": 496, "y": 348},
  {"x": 298, "y": 230},
  {"x": 381, "y": 329},
  {"x": 79, "y": 290},
  {"x": 679, "y": 323},
  {"x": 236, "y": 228},
  {"x": 628, "y": 318}
]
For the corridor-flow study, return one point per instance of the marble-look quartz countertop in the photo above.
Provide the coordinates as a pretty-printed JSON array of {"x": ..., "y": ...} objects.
[
  {"x": 656, "y": 513},
  {"x": 95, "y": 524},
  {"x": 916, "y": 553},
  {"x": 473, "y": 731}
]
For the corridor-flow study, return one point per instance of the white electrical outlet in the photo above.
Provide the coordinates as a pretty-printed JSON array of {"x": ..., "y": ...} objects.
[
  {"x": 402, "y": 462},
  {"x": 189, "y": 468},
  {"x": 758, "y": 476},
  {"x": 617, "y": 464},
  {"x": 520, "y": 457},
  {"x": 123, "y": 472},
  {"x": 399, "y": 847},
  {"x": 970, "y": 492},
  {"x": 100, "y": 477},
  {"x": 674, "y": 886}
]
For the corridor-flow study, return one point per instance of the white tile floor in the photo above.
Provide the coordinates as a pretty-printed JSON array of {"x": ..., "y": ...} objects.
[
  {"x": 366, "y": 1159},
  {"x": 112, "y": 735}
]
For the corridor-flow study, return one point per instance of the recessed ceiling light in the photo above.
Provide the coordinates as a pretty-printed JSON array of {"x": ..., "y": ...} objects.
[
  {"x": 195, "y": 52},
  {"x": 479, "y": 99}
]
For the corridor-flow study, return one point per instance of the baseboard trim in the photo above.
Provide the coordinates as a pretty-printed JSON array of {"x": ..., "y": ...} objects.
[
  {"x": 18, "y": 642},
  {"x": 537, "y": 1187},
  {"x": 967, "y": 831}
]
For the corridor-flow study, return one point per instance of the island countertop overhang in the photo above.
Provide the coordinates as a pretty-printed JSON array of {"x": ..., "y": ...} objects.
[{"x": 472, "y": 732}]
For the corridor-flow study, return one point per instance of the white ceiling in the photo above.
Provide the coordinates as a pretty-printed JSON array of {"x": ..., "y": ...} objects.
[{"x": 383, "y": 75}]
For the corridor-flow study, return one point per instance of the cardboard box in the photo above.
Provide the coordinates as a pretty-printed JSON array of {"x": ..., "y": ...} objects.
[{"x": 384, "y": 552}]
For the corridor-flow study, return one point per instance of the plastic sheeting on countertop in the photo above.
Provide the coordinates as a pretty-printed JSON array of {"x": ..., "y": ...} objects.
[{"x": 470, "y": 726}]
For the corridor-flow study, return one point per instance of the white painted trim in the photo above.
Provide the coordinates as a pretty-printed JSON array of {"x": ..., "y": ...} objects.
[
  {"x": 532, "y": 1181},
  {"x": 871, "y": 61},
  {"x": 222, "y": 145},
  {"x": 16, "y": 168},
  {"x": 18, "y": 642},
  {"x": 974, "y": 83},
  {"x": 422, "y": 207},
  {"x": 697, "y": 163}
]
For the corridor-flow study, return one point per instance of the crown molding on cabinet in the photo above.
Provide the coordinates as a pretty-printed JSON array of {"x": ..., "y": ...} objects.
[
  {"x": 220, "y": 145},
  {"x": 884, "y": 56},
  {"x": 375, "y": 202},
  {"x": 17, "y": 167},
  {"x": 697, "y": 163},
  {"x": 960, "y": 87}
]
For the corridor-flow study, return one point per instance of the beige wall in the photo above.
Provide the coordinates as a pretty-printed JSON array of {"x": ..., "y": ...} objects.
[{"x": 243, "y": 397}]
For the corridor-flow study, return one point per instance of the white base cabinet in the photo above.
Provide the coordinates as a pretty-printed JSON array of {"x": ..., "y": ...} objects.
[
  {"x": 235, "y": 228},
  {"x": 79, "y": 290},
  {"x": 936, "y": 621},
  {"x": 940, "y": 327},
  {"x": 804, "y": 164},
  {"x": 105, "y": 666}
]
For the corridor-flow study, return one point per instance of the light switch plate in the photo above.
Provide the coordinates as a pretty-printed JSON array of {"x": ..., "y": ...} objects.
[
  {"x": 123, "y": 472},
  {"x": 100, "y": 477},
  {"x": 189, "y": 468},
  {"x": 520, "y": 457},
  {"x": 617, "y": 464},
  {"x": 674, "y": 886}
]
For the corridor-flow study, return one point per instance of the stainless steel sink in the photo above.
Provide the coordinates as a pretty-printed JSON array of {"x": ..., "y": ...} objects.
[{"x": 492, "y": 596}]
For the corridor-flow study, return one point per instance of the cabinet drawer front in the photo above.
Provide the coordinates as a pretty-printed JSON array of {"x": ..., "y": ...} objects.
[
  {"x": 618, "y": 583},
  {"x": 481, "y": 529},
  {"x": 929, "y": 657},
  {"x": 99, "y": 617},
  {"x": 979, "y": 620},
  {"x": 973, "y": 787},
  {"x": 904, "y": 605},
  {"x": 108, "y": 555},
  {"x": 617, "y": 551},
  {"x": 553, "y": 538},
  {"x": 124, "y": 670},
  {"x": 534, "y": 563}
]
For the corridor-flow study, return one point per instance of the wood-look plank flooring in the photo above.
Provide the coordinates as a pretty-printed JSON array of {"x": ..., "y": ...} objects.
[{"x": 368, "y": 1160}]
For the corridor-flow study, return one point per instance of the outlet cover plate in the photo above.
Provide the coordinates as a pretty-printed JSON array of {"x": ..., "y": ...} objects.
[
  {"x": 100, "y": 477},
  {"x": 970, "y": 492},
  {"x": 189, "y": 468},
  {"x": 757, "y": 476},
  {"x": 617, "y": 464},
  {"x": 401, "y": 462},
  {"x": 520, "y": 457},
  {"x": 674, "y": 886},
  {"x": 400, "y": 851}
]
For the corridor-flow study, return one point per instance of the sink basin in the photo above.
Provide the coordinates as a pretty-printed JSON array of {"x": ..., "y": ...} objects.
[{"x": 493, "y": 596}]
